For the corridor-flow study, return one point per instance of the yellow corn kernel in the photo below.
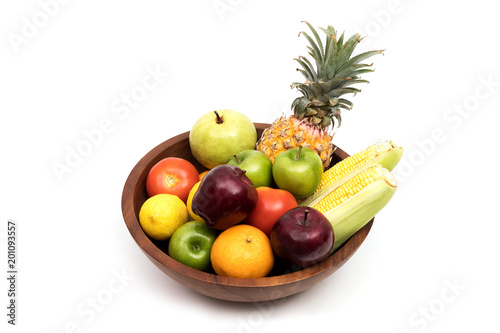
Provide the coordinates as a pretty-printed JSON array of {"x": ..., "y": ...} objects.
[
  {"x": 385, "y": 153},
  {"x": 352, "y": 186}
]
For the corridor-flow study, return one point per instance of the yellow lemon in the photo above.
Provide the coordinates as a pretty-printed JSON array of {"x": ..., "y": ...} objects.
[
  {"x": 190, "y": 201},
  {"x": 161, "y": 215}
]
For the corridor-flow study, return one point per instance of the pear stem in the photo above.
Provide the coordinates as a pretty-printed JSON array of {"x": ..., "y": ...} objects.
[
  {"x": 298, "y": 153},
  {"x": 219, "y": 118}
]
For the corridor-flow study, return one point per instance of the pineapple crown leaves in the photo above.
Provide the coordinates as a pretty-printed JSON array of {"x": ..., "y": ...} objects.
[{"x": 333, "y": 76}]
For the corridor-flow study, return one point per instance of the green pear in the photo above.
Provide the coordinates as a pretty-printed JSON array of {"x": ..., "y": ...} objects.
[{"x": 218, "y": 135}]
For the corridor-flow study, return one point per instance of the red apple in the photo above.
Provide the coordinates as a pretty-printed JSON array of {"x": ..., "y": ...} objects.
[
  {"x": 225, "y": 197},
  {"x": 302, "y": 236}
]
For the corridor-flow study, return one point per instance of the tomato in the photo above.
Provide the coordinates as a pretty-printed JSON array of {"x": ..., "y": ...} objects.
[
  {"x": 172, "y": 175},
  {"x": 271, "y": 204}
]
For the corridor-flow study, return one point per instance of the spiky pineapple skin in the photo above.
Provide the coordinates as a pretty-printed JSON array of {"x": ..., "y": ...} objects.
[{"x": 289, "y": 132}]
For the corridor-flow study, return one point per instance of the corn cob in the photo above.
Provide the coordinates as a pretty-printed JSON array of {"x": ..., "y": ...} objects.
[
  {"x": 386, "y": 153},
  {"x": 352, "y": 204}
]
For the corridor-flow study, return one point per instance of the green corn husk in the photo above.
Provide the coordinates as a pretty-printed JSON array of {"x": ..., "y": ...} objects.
[{"x": 352, "y": 204}]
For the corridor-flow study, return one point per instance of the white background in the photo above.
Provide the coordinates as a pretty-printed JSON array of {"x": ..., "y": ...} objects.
[{"x": 430, "y": 261}]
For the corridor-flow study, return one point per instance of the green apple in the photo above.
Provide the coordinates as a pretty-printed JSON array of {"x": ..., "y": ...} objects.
[
  {"x": 218, "y": 135},
  {"x": 298, "y": 171},
  {"x": 257, "y": 166},
  {"x": 191, "y": 244}
]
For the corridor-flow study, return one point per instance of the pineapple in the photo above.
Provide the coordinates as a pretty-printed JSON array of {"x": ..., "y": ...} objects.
[{"x": 315, "y": 111}]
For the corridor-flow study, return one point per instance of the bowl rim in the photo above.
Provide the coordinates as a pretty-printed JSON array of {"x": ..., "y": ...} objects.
[{"x": 146, "y": 245}]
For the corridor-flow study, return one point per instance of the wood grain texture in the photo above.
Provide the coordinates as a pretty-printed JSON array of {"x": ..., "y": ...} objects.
[{"x": 281, "y": 283}]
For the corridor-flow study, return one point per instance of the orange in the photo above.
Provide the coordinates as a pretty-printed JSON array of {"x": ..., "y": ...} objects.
[
  {"x": 203, "y": 174},
  {"x": 242, "y": 251}
]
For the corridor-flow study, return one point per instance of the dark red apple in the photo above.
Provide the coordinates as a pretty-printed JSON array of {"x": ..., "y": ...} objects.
[
  {"x": 225, "y": 197},
  {"x": 302, "y": 236}
]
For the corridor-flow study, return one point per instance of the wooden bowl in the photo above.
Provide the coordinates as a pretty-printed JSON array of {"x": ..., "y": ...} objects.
[{"x": 280, "y": 283}]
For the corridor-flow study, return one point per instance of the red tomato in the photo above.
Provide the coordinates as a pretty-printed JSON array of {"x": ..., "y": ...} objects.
[
  {"x": 172, "y": 175},
  {"x": 271, "y": 204}
]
